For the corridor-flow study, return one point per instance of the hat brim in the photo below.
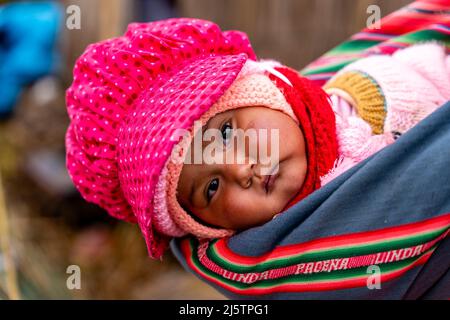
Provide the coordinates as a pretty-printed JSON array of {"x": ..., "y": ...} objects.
[{"x": 174, "y": 101}]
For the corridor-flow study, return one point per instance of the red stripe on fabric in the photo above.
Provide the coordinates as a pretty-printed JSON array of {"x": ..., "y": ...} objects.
[
  {"x": 431, "y": 4},
  {"x": 404, "y": 21}
]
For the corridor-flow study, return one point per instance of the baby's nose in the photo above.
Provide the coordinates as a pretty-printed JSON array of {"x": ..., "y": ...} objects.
[{"x": 240, "y": 173}]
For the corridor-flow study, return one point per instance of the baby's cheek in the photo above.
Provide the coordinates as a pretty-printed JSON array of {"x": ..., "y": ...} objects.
[
  {"x": 247, "y": 210},
  {"x": 234, "y": 208}
]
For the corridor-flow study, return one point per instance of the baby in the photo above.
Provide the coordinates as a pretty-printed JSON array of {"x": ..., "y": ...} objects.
[
  {"x": 239, "y": 196},
  {"x": 145, "y": 107}
]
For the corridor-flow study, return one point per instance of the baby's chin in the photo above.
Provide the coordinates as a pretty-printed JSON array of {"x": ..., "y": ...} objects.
[
  {"x": 292, "y": 187},
  {"x": 295, "y": 175},
  {"x": 278, "y": 205},
  {"x": 276, "y": 208}
]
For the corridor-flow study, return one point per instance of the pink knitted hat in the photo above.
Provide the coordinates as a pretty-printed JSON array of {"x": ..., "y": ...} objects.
[{"x": 128, "y": 97}]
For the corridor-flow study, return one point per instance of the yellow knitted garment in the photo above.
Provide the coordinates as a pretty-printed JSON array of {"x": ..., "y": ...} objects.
[{"x": 366, "y": 94}]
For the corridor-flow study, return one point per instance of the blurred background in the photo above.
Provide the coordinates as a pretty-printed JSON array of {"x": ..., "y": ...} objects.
[{"x": 45, "y": 226}]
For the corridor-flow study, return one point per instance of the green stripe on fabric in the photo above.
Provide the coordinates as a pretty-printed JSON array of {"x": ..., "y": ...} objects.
[
  {"x": 340, "y": 253},
  {"x": 305, "y": 278},
  {"x": 423, "y": 35},
  {"x": 328, "y": 68},
  {"x": 351, "y": 46},
  {"x": 357, "y": 46}
]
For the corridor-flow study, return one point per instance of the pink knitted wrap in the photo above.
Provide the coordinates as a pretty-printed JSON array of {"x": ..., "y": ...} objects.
[{"x": 414, "y": 81}]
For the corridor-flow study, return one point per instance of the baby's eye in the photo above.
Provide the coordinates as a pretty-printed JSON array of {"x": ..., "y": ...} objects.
[
  {"x": 212, "y": 188},
  {"x": 227, "y": 131}
]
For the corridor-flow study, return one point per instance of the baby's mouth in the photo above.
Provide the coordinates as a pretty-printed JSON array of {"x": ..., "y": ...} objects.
[{"x": 269, "y": 180}]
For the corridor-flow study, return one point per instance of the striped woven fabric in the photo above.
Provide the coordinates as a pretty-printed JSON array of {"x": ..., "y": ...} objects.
[
  {"x": 329, "y": 263},
  {"x": 316, "y": 253},
  {"x": 419, "y": 21}
]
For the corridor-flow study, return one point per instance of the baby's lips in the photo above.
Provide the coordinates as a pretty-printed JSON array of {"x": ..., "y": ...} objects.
[{"x": 269, "y": 182}]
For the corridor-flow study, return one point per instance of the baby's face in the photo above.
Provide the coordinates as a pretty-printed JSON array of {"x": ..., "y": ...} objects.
[{"x": 238, "y": 196}]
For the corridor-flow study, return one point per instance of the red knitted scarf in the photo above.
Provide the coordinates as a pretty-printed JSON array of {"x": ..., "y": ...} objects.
[{"x": 317, "y": 121}]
